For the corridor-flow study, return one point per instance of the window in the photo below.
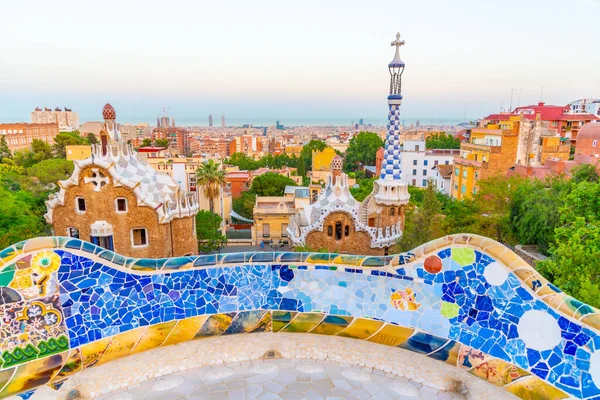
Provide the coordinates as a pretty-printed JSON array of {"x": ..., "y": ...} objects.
[
  {"x": 414, "y": 162},
  {"x": 414, "y": 182},
  {"x": 73, "y": 232},
  {"x": 417, "y": 148},
  {"x": 474, "y": 190},
  {"x": 346, "y": 230},
  {"x": 447, "y": 162},
  {"x": 80, "y": 204},
  {"x": 424, "y": 182},
  {"x": 457, "y": 172},
  {"x": 594, "y": 143},
  {"x": 330, "y": 230},
  {"x": 121, "y": 204},
  {"x": 139, "y": 237},
  {"x": 463, "y": 189},
  {"x": 456, "y": 186},
  {"x": 266, "y": 230},
  {"x": 424, "y": 172},
  {"x": 284, "y": 230},
  {"x": 425, "y": 162},
  {"x": 392, "y": 211},
  {"x": 338, "y": 230},
  {"x": 476, "y": 175},
  {"x": 435, "y": 162},
  {"x": 414, "y": 172},
  {"x": 465, "y": 173}
]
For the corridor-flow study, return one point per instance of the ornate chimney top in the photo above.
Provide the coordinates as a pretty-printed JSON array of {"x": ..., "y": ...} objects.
[{"x": 109, "y": 113}]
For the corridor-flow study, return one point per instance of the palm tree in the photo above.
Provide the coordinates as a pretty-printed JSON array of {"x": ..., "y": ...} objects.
[{"x": 210, "y": 177}]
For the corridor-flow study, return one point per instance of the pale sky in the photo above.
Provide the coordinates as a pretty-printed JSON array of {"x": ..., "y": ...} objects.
[{"x": 320, "y": 60}]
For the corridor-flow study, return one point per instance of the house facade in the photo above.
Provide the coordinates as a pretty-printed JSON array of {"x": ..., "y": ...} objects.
[{"x": 115, "y": 200}]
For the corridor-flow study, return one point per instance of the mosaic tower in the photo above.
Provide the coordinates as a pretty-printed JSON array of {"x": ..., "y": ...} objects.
[{"x": 390, "y": 189}]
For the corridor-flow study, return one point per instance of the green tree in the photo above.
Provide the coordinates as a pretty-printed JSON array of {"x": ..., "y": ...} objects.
[
  {"x": 210, "y": 178},
  {"x": 51, "y": 171},
  {"x": 243, "y": 162},
  {"x": 422, "y": 223},
  {"x": 19, "y": 218},
  {"x": 270, "y": 184},
  {"x": 301, "y": 168},
  {"x": 208, "y": 231},
  {"x": 244, "y": 205},
  {"x": 535, "y": 211},
  {"x": 574, "y": 265},
  {"x": 5, "y": 152},
  {"x": 307, "y": 150},
  {"x": 584, "y": 173},
  {"x": 64, "y": 139},
  {"x": 91, "y": 138},
  {"x": 442, "y": 140},
  {"x": 161, "y": 143},
  {"x": 41, "y": 150},
  {"x": 147, "y": 142},
  {"x": 365, "y": 188},
  {"x": 362, "y": 150}
]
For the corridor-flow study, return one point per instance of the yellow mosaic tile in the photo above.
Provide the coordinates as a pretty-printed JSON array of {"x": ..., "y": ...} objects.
[
  {"x": 154, "y": 336},
  {"x": 332, "y": 325},
  {"x": 392, "y": 335},
  {"x": 121, "y": 345},
  {"x": 215, "y": 325},
  {"x": 281, "y": 319},
  {"x": 185, "y": 330},
  {"x": 92, "y": 352},
  {"x": 532, "y": 388},
  {"x": 33, "y": 374},
  {"x": 361, "y": 328},
  {"x": 73, "y": 364},
  {"x": 304, "y": 322}
]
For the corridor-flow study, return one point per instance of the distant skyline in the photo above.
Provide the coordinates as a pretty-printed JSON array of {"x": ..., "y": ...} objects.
[{"x": 311, "y": 61}]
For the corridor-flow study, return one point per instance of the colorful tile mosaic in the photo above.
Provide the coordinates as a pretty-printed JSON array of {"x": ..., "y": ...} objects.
[{"x": 463, "y": 299}]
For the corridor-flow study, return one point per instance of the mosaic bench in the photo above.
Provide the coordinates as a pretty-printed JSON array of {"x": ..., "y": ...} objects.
[{"x": 464, "y": 300}]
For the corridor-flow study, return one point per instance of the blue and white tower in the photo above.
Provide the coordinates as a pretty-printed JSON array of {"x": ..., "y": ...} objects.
[{"x": 390, "y": 188}]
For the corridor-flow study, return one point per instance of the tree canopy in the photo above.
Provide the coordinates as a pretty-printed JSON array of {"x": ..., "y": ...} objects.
[
  {"x": 442, "y": 140},
  {"x": 64, "y": 139},
  {"x": 362, "y": 150},
  {"x": 270, "y": 184},
  {"x": 422, "y": 223},
  {"x": 307, "y": 150},
  {"x": 210, "y": 179},
  {"x": 245, "y": 163},
  {"x": 208, "y": 231}
]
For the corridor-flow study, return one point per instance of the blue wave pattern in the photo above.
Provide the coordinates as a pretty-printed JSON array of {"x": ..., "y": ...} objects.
[{"x": 100, "y": 301}]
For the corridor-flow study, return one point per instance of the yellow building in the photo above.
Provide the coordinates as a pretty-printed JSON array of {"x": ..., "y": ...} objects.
[
  {"x": 293, "y": 150},
  {"x": 272, "y": 214},
  {"x": 78, "y": 152},
  {"x": 321, "y": 160},
  {"x": 490, "y": 151}
]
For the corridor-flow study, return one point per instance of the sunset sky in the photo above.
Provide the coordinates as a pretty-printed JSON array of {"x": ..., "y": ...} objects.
[{"x": 319, "y": 60}]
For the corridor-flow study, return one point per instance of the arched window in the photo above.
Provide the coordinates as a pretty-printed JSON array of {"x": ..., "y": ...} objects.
[
  {"x": 338, "y": 230},
  {"x": 393, "y": 211},
  {"x": 329, "y": 230},
  {"x": 346, "y": 230}
]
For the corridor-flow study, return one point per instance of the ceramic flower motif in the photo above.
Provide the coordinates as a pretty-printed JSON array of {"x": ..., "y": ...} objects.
[
  {"x": 404, "y": 300},
  {"x": 45, "y": 262}
]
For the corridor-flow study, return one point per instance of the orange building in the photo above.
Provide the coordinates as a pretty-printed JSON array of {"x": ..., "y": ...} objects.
[
  {"x": 237, "y": 182},
  {"x": 178, "y": 138},
  {"x": 490, "y": 151},
  {"x": 20, "y": 135}
]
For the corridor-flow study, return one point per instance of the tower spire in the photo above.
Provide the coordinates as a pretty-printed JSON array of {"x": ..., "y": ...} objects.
[{"x": 391, "y": 189}]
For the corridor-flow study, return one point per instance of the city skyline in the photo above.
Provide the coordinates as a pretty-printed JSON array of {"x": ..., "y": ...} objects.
[{"x": 315, "y": 66}]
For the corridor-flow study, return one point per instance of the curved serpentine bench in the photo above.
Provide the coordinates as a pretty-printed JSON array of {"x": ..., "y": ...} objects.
[{"x": 463, "y": 299}]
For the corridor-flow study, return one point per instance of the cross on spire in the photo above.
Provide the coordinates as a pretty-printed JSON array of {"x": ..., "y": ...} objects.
[{"x": 398, "y": 43}]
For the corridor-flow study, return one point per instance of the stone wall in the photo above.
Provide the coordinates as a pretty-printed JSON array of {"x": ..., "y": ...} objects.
[{"x": 355, "y": 243}]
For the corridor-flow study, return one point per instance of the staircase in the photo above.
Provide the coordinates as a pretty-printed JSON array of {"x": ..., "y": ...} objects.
[{"x": 364, "y": 216}]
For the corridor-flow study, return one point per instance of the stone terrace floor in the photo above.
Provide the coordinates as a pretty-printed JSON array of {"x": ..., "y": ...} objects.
[{"x": 280, "y": 379}]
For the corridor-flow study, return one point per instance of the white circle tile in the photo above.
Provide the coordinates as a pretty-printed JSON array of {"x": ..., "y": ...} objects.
[
  {"x": 495, "y": 274},
  {"x": 167, "y": 383},
  {"x": 356, "y": 375},
  {"x": 215, "y": 374},
  {"x": 539, "y": 330},
  {"x": 310, "y": 368},
  {"x": 264, "y": 368}
]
